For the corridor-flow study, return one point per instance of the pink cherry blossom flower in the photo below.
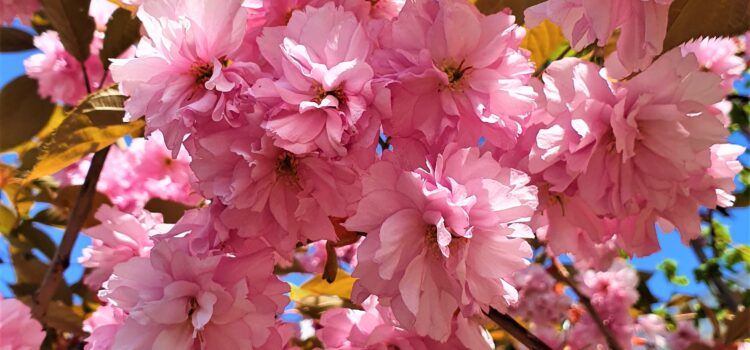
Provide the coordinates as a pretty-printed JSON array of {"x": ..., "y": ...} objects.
[
  {"x": 607, "y": 149},
  {"x": 642, "y": 25},
  {"x": 326, "y": 98},
  {"x": 376, "y": 328},
  {"x": 685, "y": 336},
  {"x": 456, "y": 73},
  {"x": 102, "y": 326},
  {"x": 184, "y": 73},
  {"x": 432, "y": 232},
  {"x": 118, "y": 238},
  {"x": 18, "y": 330},
  {"x": 612, "y": 293},
  {"x": 59, "y": 74},
  {"x": 143, "y": 171},
  {"x": 538, "y": 299},
  {"x": 178, "y": 301},
  {"x": 718, "y": 55},
  {"x": 21, "y": 9},
  {"x": 275, "y": 194}
]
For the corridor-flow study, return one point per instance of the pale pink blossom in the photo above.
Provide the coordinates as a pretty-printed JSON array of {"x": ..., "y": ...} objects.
[
  {"x": 685, "y": 336},
  {"x": 275, "y": 194},
  {"x": 457, "y": 74},
  {"x": 538, "y": 298},
  {"x": 652, "y": 330},
  {"x": 134, "y": 175},
  {"x": 375, "y": 328},
  {"x": 325, "y": 99},
  {"x": 118, "y": 238},
  {"x": 433, "y": 231},
  {"x": 718, "y": 55},
  {"x": 59, "y": 74},
  {"x": 102, "y": 327},
  {"x": 612, "y": 293},
  {"x": 21, "y": 9},
  {"x": 642, "y": 25},
  {"x": 184, "y": 72},
  {"x": 178, "y": 301},
  {"x": 604, "y": 145},
  {"x": 18, "y": 330}
]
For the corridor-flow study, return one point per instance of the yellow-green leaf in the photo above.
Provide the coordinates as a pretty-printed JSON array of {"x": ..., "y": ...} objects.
[
  {"x": 7, "y": 220},
  {"x": 75, "y": 138},
  {"x": 692, "y": 19},
  {"x": 317, "y": 286},
  {"x": 543, "y": 40},
  {"x": 22, "y": 112}
]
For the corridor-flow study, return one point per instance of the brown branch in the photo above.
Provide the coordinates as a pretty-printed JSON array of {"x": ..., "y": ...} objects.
[
  {"x": 561, "y": 274},
  {"x": 517, "y": 331},
  {"x": 724, "y": 293},
  {"x": 61, "y": 260}
]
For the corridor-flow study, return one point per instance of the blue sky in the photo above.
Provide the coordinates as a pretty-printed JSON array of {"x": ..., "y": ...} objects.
[{"x": 11, "y": 66}]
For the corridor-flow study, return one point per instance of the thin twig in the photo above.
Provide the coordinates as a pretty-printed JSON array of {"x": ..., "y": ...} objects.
[
  {"x": 61, "y": 260},
  {"x": 104, "y": 77},
  {"x": 544, "y": 66},
  {"x": 724, "y": 293},
  {"x": 560, "y": 273},
  {"x": 517, "y": 331},
  {"x": 86, "y": 78}
]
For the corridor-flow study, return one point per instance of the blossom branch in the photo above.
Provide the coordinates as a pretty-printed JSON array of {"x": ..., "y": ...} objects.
[
  {"x": 78, "y": 215},
  {"x": 517, "y": 331},
  {"x": 560, "y": 273}
]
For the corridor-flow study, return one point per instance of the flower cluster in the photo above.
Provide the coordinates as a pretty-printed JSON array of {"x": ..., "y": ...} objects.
[{"x": 415, "y": 142}]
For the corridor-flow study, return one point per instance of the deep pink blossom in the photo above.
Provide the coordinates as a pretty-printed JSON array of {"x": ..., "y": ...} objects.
[
  {"x": 21, "y": 9},
  {"x": 118, "y": 238},
  {"x": 102, "y": 326},
  {"x": 457, "y": 74},
  {"x": 178, "y": 301},
  {"x": 433, "y": 231},
  {"x": 18, "y": 330},
  {"x": 685, "y": 336}
]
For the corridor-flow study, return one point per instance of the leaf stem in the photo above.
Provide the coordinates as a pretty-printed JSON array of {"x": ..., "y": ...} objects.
[
  {"x": 61, "y": 260},
  {"x": 724, "y": 293},
  {"x": 560, "y": 273},
  {"x": 86, "y": 78},
  {"x": 517, "y": 331}
]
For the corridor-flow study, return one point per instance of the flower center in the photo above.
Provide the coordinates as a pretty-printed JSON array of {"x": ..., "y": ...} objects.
[
  {"x": 455, "y": 74},
  {"x": 203, "y": 71},
  {"x": 286, "y": 166},
  {"x": 337, "y": 93}
]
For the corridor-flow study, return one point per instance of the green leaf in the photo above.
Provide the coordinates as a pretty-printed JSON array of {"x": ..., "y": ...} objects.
[
  {"x": 517, "y": 7},
  {"x": 104, "y": 107},
  {"x": 71, "y": 20},
  {"x": 22, "y": 112},
  {"x": 13, "y": 40},
  {"x": 51, "y": 217},
  {"x": 171, "y": 211},
  {"x": 74, "y": 139},
  {"x": 693, "y": 19},
  {"x": 123, "y": 30}
]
